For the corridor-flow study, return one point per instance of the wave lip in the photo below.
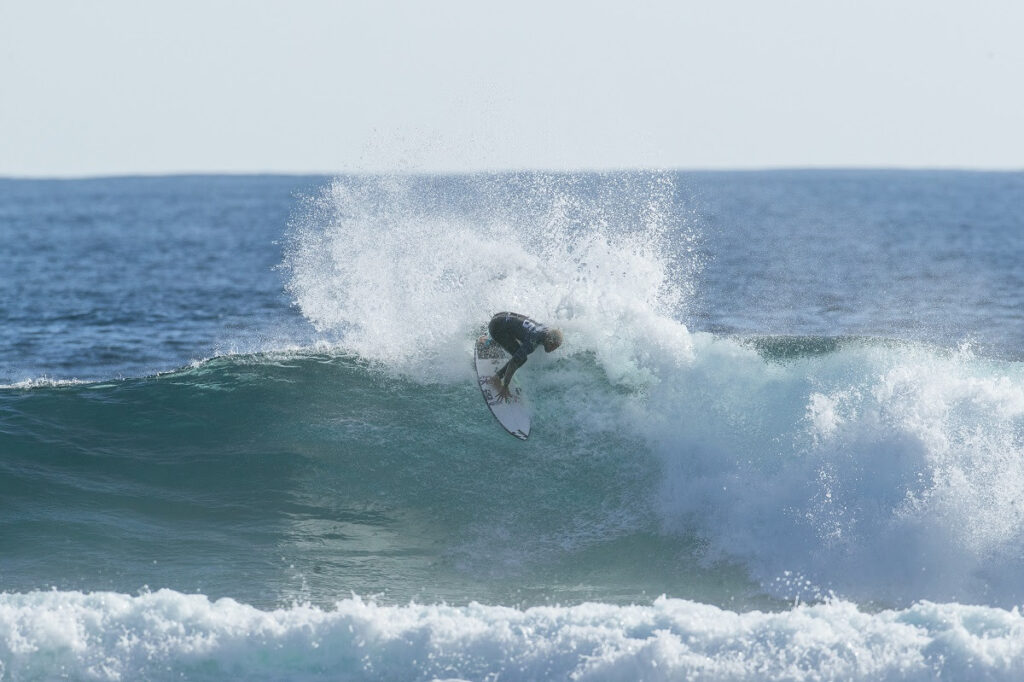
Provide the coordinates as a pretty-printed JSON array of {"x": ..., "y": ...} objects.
[{"x": 170, "y": 635}]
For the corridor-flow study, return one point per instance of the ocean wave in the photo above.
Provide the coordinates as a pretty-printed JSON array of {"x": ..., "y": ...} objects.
[
  {"x": 877, "y": 470},
  {"x": 170, "y": 635}
]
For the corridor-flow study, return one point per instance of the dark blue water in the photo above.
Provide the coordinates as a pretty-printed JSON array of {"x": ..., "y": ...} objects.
[
  {"x": 935, "y": 256},
  {"x": 240, "y": 436},
  {"x": 129, "y": 276}
]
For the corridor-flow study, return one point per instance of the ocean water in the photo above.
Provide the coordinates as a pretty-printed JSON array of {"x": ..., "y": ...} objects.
[{"x": 240, "y": 435}]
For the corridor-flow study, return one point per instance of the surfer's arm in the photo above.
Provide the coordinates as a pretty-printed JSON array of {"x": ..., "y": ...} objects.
[
  {"x": 506, "y": 372},
  {"x": 518, "y": 360}
]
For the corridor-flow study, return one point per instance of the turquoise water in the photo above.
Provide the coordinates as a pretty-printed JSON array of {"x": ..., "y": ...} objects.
[{"x": 240, "y": 435}]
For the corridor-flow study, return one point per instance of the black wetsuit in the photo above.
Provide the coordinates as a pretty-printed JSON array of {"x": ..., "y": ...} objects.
[{"x": 517, "y": 334}]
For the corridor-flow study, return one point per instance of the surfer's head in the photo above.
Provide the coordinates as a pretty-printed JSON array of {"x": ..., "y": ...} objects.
[{"x": 552, "y": 340}]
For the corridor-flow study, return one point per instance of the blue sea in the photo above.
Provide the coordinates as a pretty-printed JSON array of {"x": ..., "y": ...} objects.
[{"x": 241, "y": 437}]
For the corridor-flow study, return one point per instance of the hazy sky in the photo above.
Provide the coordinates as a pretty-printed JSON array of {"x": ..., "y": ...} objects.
[{"x": 130, "y": 86}]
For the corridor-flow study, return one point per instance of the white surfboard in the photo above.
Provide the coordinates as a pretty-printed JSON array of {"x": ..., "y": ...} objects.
[{"x": 511, "y": 413}]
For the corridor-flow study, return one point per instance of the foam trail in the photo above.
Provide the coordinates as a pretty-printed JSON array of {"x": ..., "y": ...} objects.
[{"x": 169, "y": 635}]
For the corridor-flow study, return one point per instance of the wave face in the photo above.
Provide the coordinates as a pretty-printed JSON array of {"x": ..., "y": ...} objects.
[
  {"x": 876, "y": 471},
  {"x": 317, "y": 476}
]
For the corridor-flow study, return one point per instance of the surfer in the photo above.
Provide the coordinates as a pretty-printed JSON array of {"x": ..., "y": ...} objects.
[{"x": 520, "y": 336}]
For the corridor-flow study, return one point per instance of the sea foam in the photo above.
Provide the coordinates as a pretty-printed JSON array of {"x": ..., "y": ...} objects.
[
  {"x": 879, "y": 471},
  {"x": 169, "y": 635},
  {"x": 406, "y": 282}
]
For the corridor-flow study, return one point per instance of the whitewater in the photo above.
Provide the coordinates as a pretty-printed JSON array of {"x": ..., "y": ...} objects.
[{"x": 784, "y": 439}]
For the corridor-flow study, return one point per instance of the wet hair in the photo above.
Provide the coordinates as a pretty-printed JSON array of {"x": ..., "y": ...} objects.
[{"x": 552, "y": 338}]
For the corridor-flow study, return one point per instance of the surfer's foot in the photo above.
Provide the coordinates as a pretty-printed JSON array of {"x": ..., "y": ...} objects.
[{"x": 501, "y": 388}]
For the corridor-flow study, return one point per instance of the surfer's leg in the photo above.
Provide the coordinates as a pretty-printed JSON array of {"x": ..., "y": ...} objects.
[{"x": 503, "y": 337}]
